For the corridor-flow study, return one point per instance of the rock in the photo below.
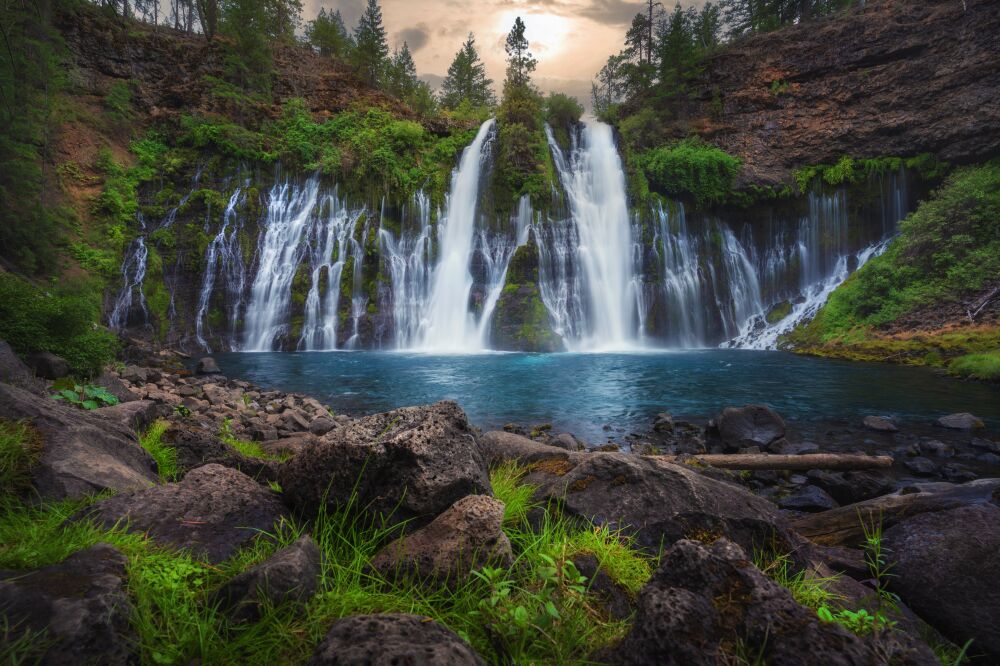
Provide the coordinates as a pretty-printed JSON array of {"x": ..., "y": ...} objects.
[
  {"x": 82, "y": 603},
  {"x": 520, "y": 321},
  {"x": 263, "y": 433},
  {"x": 82, "y": 453},
  {"x": 702, "y": 601},
  {"x": 295, "y": 420},
  {"x": 135, "y": 374},
  {"x": 382, "y": 640},
  {"x": 617, "y": 602},
  {"x": 321, "y": 425},
  {"x": 14, "y": 371},
  {"x": 808, "y": 498},
  {"x": 498, "y": 446},
  {"x": 937, "y": 448},
  {"x": 207, "y": 366},
  {"x": 851, "y": 487},
  {"x": 214, "y": 511},
  {"x": 749, "y": 425},
  {"x": 922, "y": 466},
  {"x": 288, "y": 446},
  {"x": 566, "y": 441},
  {"x": 410, "y": 463},
  {"x": 465, "y": 537},
  {"x": 115, "y": 387},
  {"x": 47, "y": 365},
  {"x": 290, "y": 575},
  {"x": 136, "y": 415},
  {"x": 958, "y": 473},
  {"x": 664, "y": 422},
  {"x": 659, "y": 501},
  {"x": 880, "y": 424},
  {"x": 197, "y": 446},
  {"x": 960, "y": 421},
  {"x": 945, "y": 567}
]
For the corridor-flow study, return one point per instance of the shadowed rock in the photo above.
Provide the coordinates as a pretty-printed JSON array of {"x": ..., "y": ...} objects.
[
  {"x": 750, "y": 425},
  {"x": 385, "y": 640}
]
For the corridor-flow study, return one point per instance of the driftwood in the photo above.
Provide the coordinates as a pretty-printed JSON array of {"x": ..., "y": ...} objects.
[
  {"x": 976, "y": 308},
  {"x": 844, "y": 526},
  {"x": 841, "y": 461}
]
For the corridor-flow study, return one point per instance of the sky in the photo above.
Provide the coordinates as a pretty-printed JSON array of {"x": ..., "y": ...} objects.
[{"x": 571, "y": 39}]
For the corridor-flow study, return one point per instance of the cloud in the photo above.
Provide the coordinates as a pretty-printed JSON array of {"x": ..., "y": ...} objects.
[
  {"x": 612, "y": 12},
  {"x": 416, "y": 37},
  {"x": 350, "y": 10}
]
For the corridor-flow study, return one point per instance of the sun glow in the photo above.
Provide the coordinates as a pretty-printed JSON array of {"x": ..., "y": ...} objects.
[{"x": 548, "y": 34}]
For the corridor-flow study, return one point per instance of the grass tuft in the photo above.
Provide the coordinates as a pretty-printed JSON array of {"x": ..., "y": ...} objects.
[
  {"x": 164, "y": 455},
  {"x": 978, "y": 366},
  {"x": 20, "y": 448}
]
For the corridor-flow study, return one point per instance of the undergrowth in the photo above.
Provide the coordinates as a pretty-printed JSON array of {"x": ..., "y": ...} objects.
[
  {"x": 20, "y": 448},
  {"x": 164, "y": 454}
]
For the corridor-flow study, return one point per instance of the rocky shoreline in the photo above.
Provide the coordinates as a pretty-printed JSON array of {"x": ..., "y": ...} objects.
[{"x": 250, "y": 459}]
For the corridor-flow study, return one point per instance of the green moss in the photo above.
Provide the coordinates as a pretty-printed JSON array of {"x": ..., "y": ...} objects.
[
  {"x": 778, "y": 312},
  {"x": 984, "y": 366},
  {"x": 690, "y": 168}
]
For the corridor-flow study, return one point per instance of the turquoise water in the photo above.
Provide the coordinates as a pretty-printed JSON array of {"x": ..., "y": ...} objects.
[{"x": 583, "y": 393}]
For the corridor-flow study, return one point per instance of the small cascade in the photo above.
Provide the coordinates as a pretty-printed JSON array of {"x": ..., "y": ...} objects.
[
  {"x": 223, "y": 258},
  {"x": 331, "y": 243},
  {"x": 133, "y": 272},
  {"x": 359, "y": 298},
  {"x": 450, "y": 326},
  {"x": 280, "y": 251},
  {"x": 408, "y": 260},
  {"x": 497, "y": 249},
  {"x": 594, "y": 299}
]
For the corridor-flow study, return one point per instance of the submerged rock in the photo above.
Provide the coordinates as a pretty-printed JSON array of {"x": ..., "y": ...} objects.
[
  {"x": 960, "y": 421},
  {"x": 207, "y": 366},
  {"x": 382, "y": 640},
  {"x": 880, "y": 424},
  {"x": 750, "y": 425}
]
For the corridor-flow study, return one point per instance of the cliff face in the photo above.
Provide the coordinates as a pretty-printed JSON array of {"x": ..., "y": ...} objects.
[{"x": 892, "y": 78}]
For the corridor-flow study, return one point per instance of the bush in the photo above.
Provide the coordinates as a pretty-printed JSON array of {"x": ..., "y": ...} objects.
[
  {"x": 63, "y": 321},
  {"x": 562, "y": 110},
  {"x": 978, "y": 366},
  {"x": 693, "y": 168}
]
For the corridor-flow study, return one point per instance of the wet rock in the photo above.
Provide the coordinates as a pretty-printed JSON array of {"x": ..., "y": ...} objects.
[
  {"x": 290, "y": 575},
  {"x": 750, "y": 425},
  {"x": 47, "y": 365},
  {"x": 880, "y": 424},
  {"x": 82, "y": 603},
  {"x": 937, "y": 448},
  {"x": 616, "y": 601},
  {"x": 960, "y": 421},
  {"x": 213, "y": 512},
  {"x": 851, "y": 487},
  {"x": 207, "y": 366},
  {"x": 497, "y": 447},
  {"x": 704, "y": 600},
  {"x": 809, "y": 499},
  {"x": 664, "y": 422},
  {"x": 410, "y": 463},
  {"x": 945, "y": 567},
  {"x": 381, "y": 640},
  {"x": 82, "y": 453},
  {"x": 958, "y": 473},
  {"x": 659, "y": 501},
  {"x": 465, "y": 537},
  {"x": 566, "y": 441},
  {"x": 922, "y": 466}
]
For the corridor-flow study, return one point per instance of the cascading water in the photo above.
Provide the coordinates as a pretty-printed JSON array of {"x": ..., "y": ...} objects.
[
  {"x": 449, "y": 325},
  {"x": 408, "y": 260},
  {"x": 133, "y": 275},
  {"x": 280, "y": 252},
  {"x": 223, "y": 258},
  {"x": 496, "y": 250},
  {"x": 598, "y": 309}
]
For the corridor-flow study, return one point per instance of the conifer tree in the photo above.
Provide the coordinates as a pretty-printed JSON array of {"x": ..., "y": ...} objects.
[
  {"x": 466, "y": 80},
  {"x": 371, "y": 50},
  {"x": 327, "y": 34},
  {"x": 520, "y": 62}
]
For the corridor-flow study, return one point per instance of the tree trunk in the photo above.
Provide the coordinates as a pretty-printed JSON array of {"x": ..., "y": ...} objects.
[{"x": 839, "y": 461}]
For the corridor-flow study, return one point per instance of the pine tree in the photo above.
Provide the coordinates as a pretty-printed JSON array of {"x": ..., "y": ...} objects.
[
  {"x": 520, "y": 62},
  {"x": 327, "y": 34},
  {"x": 402, "y": 74},
  {"x": 466, "y": 80},
  {"x": 371, "y": 49},
  {"x": 248, "y": 60}
]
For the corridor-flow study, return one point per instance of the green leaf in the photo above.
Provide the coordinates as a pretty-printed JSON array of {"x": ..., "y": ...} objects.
[{"x": 91, "y": 404}]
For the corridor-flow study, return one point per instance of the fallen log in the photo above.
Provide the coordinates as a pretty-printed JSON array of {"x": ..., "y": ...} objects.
[
  {"x": 838, "y": 461},
  {"x": 845, "y": 526}
]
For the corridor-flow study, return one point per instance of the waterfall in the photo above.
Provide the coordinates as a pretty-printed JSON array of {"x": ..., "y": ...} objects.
[
  {"x": 224, "y": 257},
  {"x": 497, "y": 249},
  {"x": 450, "y": 326},
  {"x": 408, "y": 261},
  {"x": 280, "y": 251},
  {"x": 133, "y": 272},
  {"x": 331, "y": 244},
  {"x": 599, "y": 309}
]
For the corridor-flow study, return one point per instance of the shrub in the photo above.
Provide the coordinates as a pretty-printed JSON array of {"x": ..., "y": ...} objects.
[
  {"x": 693, "y": 168},
  {"x": 978, "y": 366},
  {"x": 85, "y": 397}
]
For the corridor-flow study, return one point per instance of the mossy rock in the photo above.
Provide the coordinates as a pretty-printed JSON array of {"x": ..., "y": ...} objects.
[
  {"x": 521, "y": 320},
  {"x": 778, "y": 312}
]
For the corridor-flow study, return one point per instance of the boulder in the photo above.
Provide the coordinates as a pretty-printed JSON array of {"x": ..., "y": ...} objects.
[
  {"x": 567, "y": 441},
  {"x": 658, "y": 501},
  {"x": 960, "y": 421},
  {"x": 115, "y": 387},
  {"x": 321, "y": 425},
  {"x": 921, "y": 466},
  {"x": 14, "y": 371},
  {"x": 616, "y": 601},
  {"x": 703, "y": 601},
  {"x": 853, "y": 486},
  {"x": 880, "y": 424},
  {"x": 213, "y": 512},
  {"x": 82, "y": 453},
  {"x": 381, "y": 640},
  {"x": 500, "y": 446},
  {"x": 465, "y": 537},
  {"x": 207, "y": 366},
  {"x": 290, "y": 575},
  {"x": 47, "y": 365},
  {"x": 750, "y": 425},
  {"x": 136, "y": 415},
  {"x": 197, "y": 446},
  {"x": 408, "y": 464},
  {"x": 82, "y": 603},
  {"x": 945, "y": 567},
  {"x": 135, "y": 374},
  {"x": 808, "y": 498}
]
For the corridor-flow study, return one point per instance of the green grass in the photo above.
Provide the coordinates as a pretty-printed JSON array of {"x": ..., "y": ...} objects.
[
  {"x": 164, "y": 454},
  {"x": 536, "y": 611},
  {"x": 242, "y": 446},
  {"x": 20, "y": 448},
  {"x": 977, "y": 366}
]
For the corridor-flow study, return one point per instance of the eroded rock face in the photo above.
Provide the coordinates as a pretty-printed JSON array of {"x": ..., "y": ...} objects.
[
  {"x": 410, "y": 463},
  {"x": 658, "y": 501},
  {"x": 750, "y": 425},
  {"x": 82, "y": 603},
  {"x": 82, "y": 453},
  {"x": 214, "y": 511},
  {"x": 945, "y": 566},
  {"x": 703, "y": 600},
  {"x": 383, "y": 640},
  {"x": 290, "y": 575},
  {"x": 465, "y": 537}
]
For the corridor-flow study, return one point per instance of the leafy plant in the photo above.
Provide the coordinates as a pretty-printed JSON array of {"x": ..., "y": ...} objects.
[
  {"x": 859, "y": 622},
  {"x": 86, "y": 396}
]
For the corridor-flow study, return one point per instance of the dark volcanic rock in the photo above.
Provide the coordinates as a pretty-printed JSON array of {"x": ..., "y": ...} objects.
[
  {"x": 750, "y": 425},
  {"x": 961, "y": 421},
  {"x": 657, "y": 500},
  {"x": 851, "y": 487},
  {"x": 615, "y": 599},
  {"x": 498, "y": 446},
  {"x": 465, "y": 537},
  {"x": 808, "y": 498},
  {"x": 922, "y": 466},
  {"x": 702, "y": 601},
  {"x": 207, "y": 366},
  {"x": 47, "y": 365},
  {"x": 290, "y": 575},
  {"x": 385, "y": 640},
  {"x": 945, "y": 567},
  {"x": 135, "y": 415},
  {"x": 213, "y": 511},
  {"x": 82, "y": 603},
  {"x": 412, "y": 463},
  {"x": 115, "y": 387},
  {"x": 880, "y": 424},
  {"x": 82, "y": 453}
]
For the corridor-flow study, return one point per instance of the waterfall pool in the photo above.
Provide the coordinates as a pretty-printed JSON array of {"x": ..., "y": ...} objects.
[{"x": 602, "y": 395}]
